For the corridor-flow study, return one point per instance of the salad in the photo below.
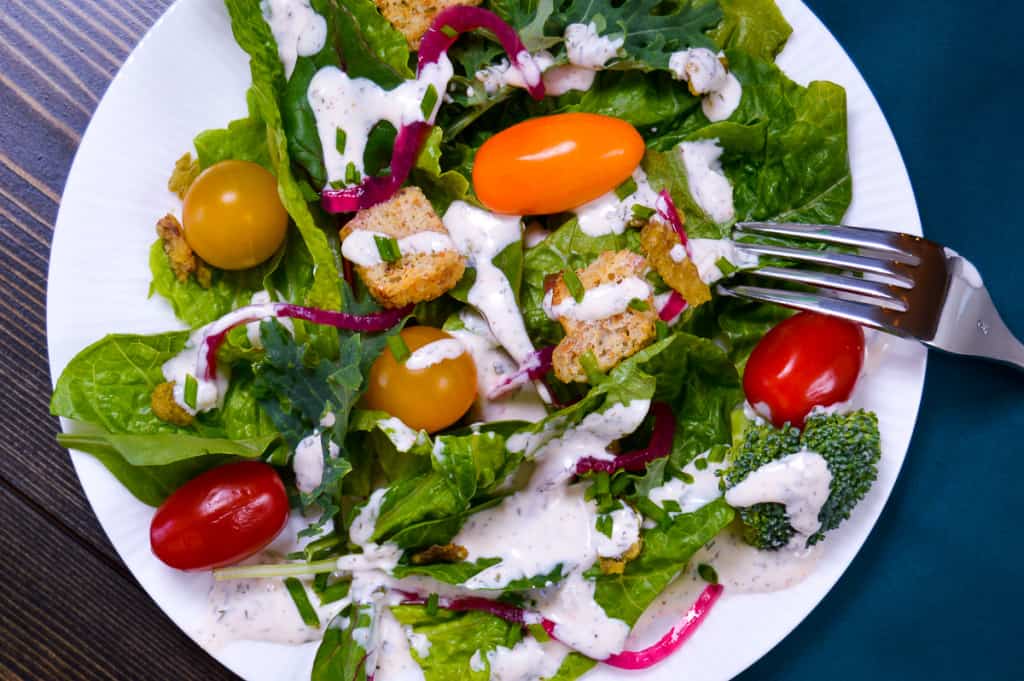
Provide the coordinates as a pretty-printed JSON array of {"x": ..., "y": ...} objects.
[{"x": 454, "y": 393}]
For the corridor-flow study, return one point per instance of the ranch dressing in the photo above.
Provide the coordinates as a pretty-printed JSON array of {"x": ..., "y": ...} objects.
[
  {"x": 600, "y": 302},
  {"x": 355, "y": 105},
  {"x": 709, "y": 186},
  {"x": 526, "y": 71},
  {"x": 528, "y": 660},
  {"x": 586, "y": 48},
  {"x": 298, "y": 30},
  {"x": 706, "y": 75},
  {"x": 608, "y": 214},
  {"x": 691, "y": 496},
  {"x": 580, "y": 622},
  {"x": 308, "y": 461},
  {"x": 434, "y": 353},
  {"x": 480, "y": 236},
  {"x": 799, "y": 481},
  {"x": 360, "y": 246}
]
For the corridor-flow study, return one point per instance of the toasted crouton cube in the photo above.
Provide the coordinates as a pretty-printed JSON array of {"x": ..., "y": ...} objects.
[
  {"x": 415, "y": 277},
  {"x": 617, "y": 566},
  {"x": 657, "y": 240},
  {"x": 443, "y": 553},
  {"x": 412, "y": 19},
  {"x": 183, "y": 259},
  {"x": 166, "y": 408},
  {"x": 613, "y": 339}
]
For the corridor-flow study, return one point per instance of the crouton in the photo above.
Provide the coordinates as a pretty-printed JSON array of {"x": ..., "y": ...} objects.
[
  {"x": 413, "y": 18},
  {"x": 657, "y": 240},
  {"x": 186, "y": 170},
  {"x": 166, "y": 408},
  {"x": 416, "y": 277},
  {"x": 446, "y": 553},
  {"x": 616, "y": 566},
  {"x": 183, "y": 260},
  {"x": 610, "y": 340}
]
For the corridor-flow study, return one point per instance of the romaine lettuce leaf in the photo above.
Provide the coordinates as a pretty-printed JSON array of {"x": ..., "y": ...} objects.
[
  {"x": 340, "y": 657},
  {"x": 243, "y": 140},
  {"x": 754, "y": 26}
]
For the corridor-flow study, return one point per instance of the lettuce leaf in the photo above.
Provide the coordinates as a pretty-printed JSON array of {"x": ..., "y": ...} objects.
[
  {"x": 754, "y": 26},
  {"x": 243, "y": 140},
  {"x": 339, "y": 657},
  {"x": 666, "y": 551},
  {"x": 254, "y": 36},
  {"x": 442, "y": 187}
]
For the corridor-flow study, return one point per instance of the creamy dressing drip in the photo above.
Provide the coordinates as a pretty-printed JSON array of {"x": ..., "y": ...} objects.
[
  {"x": 527, "y": 661},
  {"x": 799, "y": 481},
  {"x": 571, "y": 606},
  {"x": 707, "y": 252},
  {"x": 493, "y": 365},
  {"x": 587, "y": 48},
  {"x": 600, "y": 302},
  {"x": 434, "y": 353},
  {"x": 608, "y": 214},
  {"x": 252, "y": 329},
  {"x": 709, "y": 186},
  {"x": 504, "y": 74},
  {"x": 298, "y": 30},
  {"x": 356, "y": 105},
  {"x": 393, "y": 652},
  {"x": 706, "y": 75},
  {"x": 308, "y": 461},
  {"x": 694, "y": 495},
  {"x": 402, "y": 436},
  {"x": 480, "y": 236},
  {"x": 360, "y": 246}
]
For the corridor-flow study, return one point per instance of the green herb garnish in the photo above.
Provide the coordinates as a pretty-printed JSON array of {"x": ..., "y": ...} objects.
[
  {"x": 591, "y": 368},
  {"x": 334, "y": 592},
  {"x": 352, "y": 175},
  {"x": 388, "y": 248},
  {"x": 432, "y": 604},
  {"x": 625, "y": 189},
  {"x": 429, "y": 101},
  {"x": 725, "y": 267},
  {"x": 398, "y": 348},
  {"x": 449, "y": 31},
  {"x": 639, "y": 305},
  {"x": 642, "y": 212},
  {"x": 605, "y": 525},
  {"x": 191, "y": 391},
  {"x": 301, "y": 599},
  {"x": 573, "y": 283},
  {"x": 707, "y": 573},
  {"x": 672, "y": 506},
  {"x": 652, "y": 511},
  {"x": 340, "y": 140}
]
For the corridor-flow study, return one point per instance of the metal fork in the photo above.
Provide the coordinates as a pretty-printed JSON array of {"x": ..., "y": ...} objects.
[{"x": 910, "y": 286}]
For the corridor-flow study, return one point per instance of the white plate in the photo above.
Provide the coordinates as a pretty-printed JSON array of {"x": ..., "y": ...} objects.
[{"x": 188, "y": 75}]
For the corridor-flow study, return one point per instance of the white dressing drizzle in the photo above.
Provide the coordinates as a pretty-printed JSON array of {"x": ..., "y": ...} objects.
[
  {"x": 480, "y": 236},
  {"x": 690, "y": 496},
  {"x": 360, "y": 246},
  {"x": 580, "y": 622},
  {"x": 608, "y": 214},
  {"x": 308, "y": 461},
  {"x": 600, "y": 302},
  {"x": 434, "y": 353},
  {"x": 298, "y": 30},
  {"x": 707, "y": 252},
  {"x": 527, "y": 661},
  {"x": 709, "y": 186},
  {"x": 707, "y": 75},
  {"x": 356, "y": 105},
  {"x": 799, "y": 481},
  {"x": 586, "y": 47}
]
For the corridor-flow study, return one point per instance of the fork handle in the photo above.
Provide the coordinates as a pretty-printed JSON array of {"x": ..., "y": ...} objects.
[{"x": 972, "y": 325}]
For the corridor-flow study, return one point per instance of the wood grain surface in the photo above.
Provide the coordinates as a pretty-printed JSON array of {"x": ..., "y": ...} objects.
[{"x": 69, "y": 609}]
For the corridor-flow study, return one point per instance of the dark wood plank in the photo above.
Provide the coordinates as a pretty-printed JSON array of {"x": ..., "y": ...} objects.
[{"x": 67, "y": 615}]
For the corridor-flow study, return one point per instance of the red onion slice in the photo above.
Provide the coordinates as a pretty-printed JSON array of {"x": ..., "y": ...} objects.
[
  {"x": 673, "y": 307},
  {"x": 666, "y": 208},
  {"x": 462, "y": 19},
  {"x": 660, "y": 445},
  {"x": 505, "y": 611},
  {"x": 377, "y": 321},
  {"x": 374, "y": 190}
]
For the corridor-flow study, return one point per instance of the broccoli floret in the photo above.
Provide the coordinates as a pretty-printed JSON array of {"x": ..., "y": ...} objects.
[{"x": 850, "y": 445}]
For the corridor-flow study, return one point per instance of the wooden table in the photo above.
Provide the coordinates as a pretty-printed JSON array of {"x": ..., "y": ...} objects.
[{"x": 69, "y": 609}]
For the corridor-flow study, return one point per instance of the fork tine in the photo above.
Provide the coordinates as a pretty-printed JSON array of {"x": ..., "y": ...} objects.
[
  {"x": 861, "y": 313},
  {"x": 842, "y": 261},
  {"x": 880, "y": 293},
  {"x": 890, "y": 243}
]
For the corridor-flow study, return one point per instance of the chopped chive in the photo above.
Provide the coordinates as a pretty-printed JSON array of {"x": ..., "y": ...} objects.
[
  {"x": 590, "y": 367},
  {"x": 573, "y": 283},
  {"x": 605, "y": 525},
  {"x": 642, "y": 212},
  {"x": 686, "y": 477},
  {"x": 652, "y": 511},
  {"x": 338, "y": 184},
  {"x": 317, "y": 550},
  {"x": 449, "y": 31},
  {"x": 701, "y": 464},
  {"x": 320, "y": 582},
  {"x": 672, "y": 506},
  {"x": 429, "y": 101},
  {"x": 388, "y": 248},
  {"x": 661, "y": 329},
  {"x": 607, "y": 504},
  {"x": 717, "y": 453},
  {"x": 538, "y": 632},
  {"x": 601, "y": 484},
  {"x": 725, "y": 267},
  {"x": 707, "y": 573},
  {"x": 301, "y": 598},
  {"x": 625, "y": 189},
  {"x": 191, "y": 390},
  {"x": 398, "y": 348},
  {"x": 334, "y": 592},
  {"x": 656, "y": 281},
  {"x": 432, "y": 604},
  {"x": 639, "y": 305},
  {"x": 351, "y": 173},
  {"x": 340, "y": 140}
]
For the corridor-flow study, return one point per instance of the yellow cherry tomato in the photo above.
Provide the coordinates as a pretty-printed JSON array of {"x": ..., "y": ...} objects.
[
  {"x": 555, "y": 163},
  {"x": 429, "y": 399},
  {"x": 232, "y": 215}
]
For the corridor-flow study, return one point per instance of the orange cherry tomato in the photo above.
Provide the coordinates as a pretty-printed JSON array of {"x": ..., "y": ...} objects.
[
  {"x": 429, "y": 399},
  {"x": 233, "y": 217},
  {"x": 555, "y": 163}
]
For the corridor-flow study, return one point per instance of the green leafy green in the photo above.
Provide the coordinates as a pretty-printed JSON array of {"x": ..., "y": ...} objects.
[
  {"x": 442, "y": 187},
  {"x": 243, "y": 140},
  {"x": 754, "y": 26},
  {"x": 340, "y": 657}
]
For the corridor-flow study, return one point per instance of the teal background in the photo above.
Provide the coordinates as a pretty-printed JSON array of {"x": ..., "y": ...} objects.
[{"x": 938, "y": 589}]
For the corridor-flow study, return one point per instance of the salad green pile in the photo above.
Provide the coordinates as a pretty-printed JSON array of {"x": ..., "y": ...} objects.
[{"x": 785, "y": 156}]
